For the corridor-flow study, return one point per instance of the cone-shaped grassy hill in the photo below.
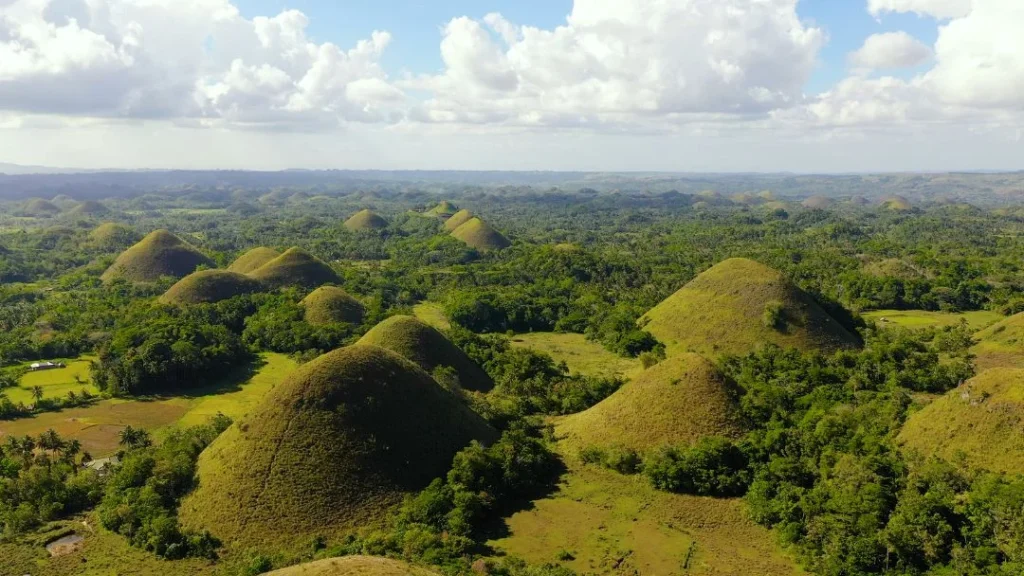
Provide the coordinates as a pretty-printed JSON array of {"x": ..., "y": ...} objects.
[
  {"x": 210, "y": 286},
  {"x": 112, "y": 235},
  {"x": 458, "y": 219},
  {"x": 894, "y": 268},
  {"x": 295, "y": 267},
  {"x": 983, "y": 418},
  {"x": 354, "y": 566},
  {"x": 897, "y": 204},
  {"x": 334, "y": 447},
  {"x": 331, "y": 305},
  {"x": 158, "y": 254},
  {"x": 480, "y": 235},
  {"x": 723, "y": 311},
  {"x": 443, "y": 210},
  {"x": 63, "y": 200},
  {"x": 678, "y": 401},
  {"x": 253, "y": 259},
  {"x": 817, "y": 203},
  {"x": 365, "y": 220},
  {"x": 421, "y": 343},
  {"x": 1000, "y": 345},
  {"x": 40, "y": 207},
  {"x": 90, "y": 208}
]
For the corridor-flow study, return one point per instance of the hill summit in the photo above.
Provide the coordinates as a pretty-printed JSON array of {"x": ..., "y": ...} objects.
[
  {"x": 422, "y": 344},
  {"x": 738, "y": 305},
  {"x": 677, "y": 401},
  {"x": 331, "y": 305},
  {"x": 159, "y": 254},
  {"x": 39, "y": 207},
  {"x": 112, "y": 235},
  {"x": 210, "y": 286},
  {"x": 480, "y": 235},
  {"x": 365, "y": 220},
  {"x": 443, "y": 210},
  {"x": 253, "y": 259},
  {"x": 296, "y": 267},
  {"x": 458, "y": 219},
  {"x": 334, "y": 447},
  {"x": 90, "y": 208}
]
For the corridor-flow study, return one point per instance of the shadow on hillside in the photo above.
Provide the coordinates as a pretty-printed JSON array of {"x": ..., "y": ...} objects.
[
  {"x": 230, "y": 382},
  {"x": 498, "y": 527}
]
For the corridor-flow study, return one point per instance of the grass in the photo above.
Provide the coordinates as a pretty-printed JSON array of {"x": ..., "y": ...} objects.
[
  {"x": 897, "y": 204},
  {"x": 722, "y": 311},
  {"x": 210, "y": 286},
  {"x": 354, "y": 566},
  {"x": 895, "y": 268},
  {"x": 334, "y": 447},
  {"x": 433, "y": 314},
  {"x": 329, "y": 305},
  {"x": 253, "y": 259},
  {"x": 458, "y": 219},
  {"x": 296, "y": 267},
  {"x": 422, "y": 344},
  {"x": 916, "y": 319},
  {"x": 158, "y": 254},
  {"x": 678, "y": 401},
  {"x": 445, "y": 209},
  {"x": 113, "y": 236},
  {"x": 982, "y": 421},
  {"x": 602, "y": 523},
  {"x": 582, "y": 356},
  {"x": 239, "y": 402},
  {"x": 480, "y": 235},
  {"x": 1001, "y": 344},
  {"x": 365, "y": 220},
  {"x": 90, "y": 208},
  {"x": 55, "y": 383}
]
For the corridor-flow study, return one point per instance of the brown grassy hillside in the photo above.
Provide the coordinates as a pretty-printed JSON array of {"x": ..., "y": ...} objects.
[{"x": 158, "y": 254}]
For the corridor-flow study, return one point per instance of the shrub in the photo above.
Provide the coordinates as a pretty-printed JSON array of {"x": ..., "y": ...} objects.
[{"x": 713, "y": 467}]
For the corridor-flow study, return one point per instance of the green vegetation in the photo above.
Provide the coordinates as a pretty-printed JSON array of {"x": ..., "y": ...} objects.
[
  {"x": 113, "y": 236},
  {"x": 897, "y": 204},
  {"x": 253, "y": 259},
  {"x": 54, "y": 383},
  {"x": 354, "y": 566},
  {"x": 90, "y": 208},
  {"x": 443, "y": 210},
  {"x": 40, "y": 208},
  {"x": 157, "y": 255},
  {"x": 480, "y": 235},
  {"x": 678, "y": 401},
  {"x": 580, "y": 355},
  {"x": 332, "y": 305},
  {"x": 457, "y": 219},
  {"x": 1001, "y": 345},
  {"x": 433, "y": 314},
  {"x": 918, "y": 319},
  {"x": 332, "y": 448},
  {"x": 365, "y": 220},
  {"x": 208, "y": 286},
  {"x": 295, "y": 267},
  {"x": 722, "y": 311},
  {"x": 817, "y": 203},
  {"x": 418, "y": 342}
]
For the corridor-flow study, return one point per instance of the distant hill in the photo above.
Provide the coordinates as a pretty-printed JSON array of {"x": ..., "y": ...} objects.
[
  {"x": 253, "y": 259},
  {"x": 1000, "y": 345},
  {"x": 678, "y": 401},
  {"x": 724, "y": 311},
  {"x": 365, "y": 220},
  {"x": 296, "y": 267},
  {"x": 443, "y": 210},
  {"x": 894, "y": 268},
  {"x": 480, "y": 235},
  {"x": 158, "y": 254},
  {"x": 419, "y": 342},
  {"x": 210, "y": 286},
  {"x": 40, "y": 208},
  {"x": 983, "y": 419},
  {"x": 354, "y": 566},
  {"x": 458, "y": 219},
  {"x": 110, "y": 235},
  {"x": 897, "y": 204},
  {"x": 333, "y": 448},
  {"x": 330, "y": 305},
  {"x": 90, "y": 208},
  {"x": 817, "y": 203}
]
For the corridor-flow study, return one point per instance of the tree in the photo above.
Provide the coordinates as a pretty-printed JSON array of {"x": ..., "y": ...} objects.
[{"x": 37, "y": 393}]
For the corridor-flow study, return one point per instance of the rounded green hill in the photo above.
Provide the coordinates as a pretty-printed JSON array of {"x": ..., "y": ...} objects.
[
  {"x": 678, "y": 401},
  {"x": 354, "y": 566},
  {"x": 90, "y": 208},
  {"x": 894, "y": 268},
  {"x": 111, "y": 235},
  {"x": 817, "y": 203},
  {"x": 253, "y": 259},
  {"x": 331, "y": 305},
  {"x": 983, "y": 419},
  {"x": 897, "y": 204},
  {"x": 419, "y": 342},
  {"x": 158, "y": 254},
  {"x": 333, "y": 448},
  {"x": 443, "y": 210},
  {"x": 480, "y": 235},
  {"x": 723, "y": 310},
  {"x": 365, "y": 220},
  {"x": 458, "y": 219},
  {"x": 296, "y": 267},
  {"x": 40, "y": 208},
  {"x": 210, "y": 286},
  {"x": 1000, "y": 345}
]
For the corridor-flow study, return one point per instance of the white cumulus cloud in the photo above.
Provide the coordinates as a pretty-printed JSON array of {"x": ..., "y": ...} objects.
[
  {"x": 890, "y": 50},
  {"x": 935, "y": 8}
]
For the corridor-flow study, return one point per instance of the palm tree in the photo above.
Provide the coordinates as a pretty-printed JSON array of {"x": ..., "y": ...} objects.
[
  {"x": 70, "y": 450},
  {"x": 37, "y": 393},
  {"x": 135, "y": 437},
  {"x": 72, "y": 397},
  {"x": 50, "y": 441}
]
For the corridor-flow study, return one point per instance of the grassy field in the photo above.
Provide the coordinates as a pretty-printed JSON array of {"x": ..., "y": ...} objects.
[
  {"x": 98, "y": 426},
  {"x": 55, "y": 383},
  {"x": 926, "y": 319},
  {"x": 581, "y": 355},
  {"x": 432, "y": 314},
  {"x": 602, "y": 523}
]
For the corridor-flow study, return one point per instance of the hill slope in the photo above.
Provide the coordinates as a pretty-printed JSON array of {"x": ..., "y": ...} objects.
[
  {"x": 897, "y": 204},
  {"x": 817, "y": 203},
  {"x": 480, "y": 235},
  {"x": 983, "y": 418},
  {"x": 458, "y": 219},
  {"x": 296, "y": 267},
  {"x": 678, "y": 401},
  {"x": 112, "y": 235},
  {"x": 253, "y": 259},
  {"x": 90, "y": 208},
  {"x": 1000, "y": 345},
  {"x": 158, "y": 254},
  {"x": 333, "y": 447},
  {"x": 365, "y": 220},
  {"x": 210, "y": 286},
  {"x": 723, "y": 310},
  {"x": 443, "y": 210},
  {"x": 354, "y": 566},
  {"x": 415, "y": 340},
  {"x": 40, "y": 207},
  {"x": 329, "y": 305}
]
